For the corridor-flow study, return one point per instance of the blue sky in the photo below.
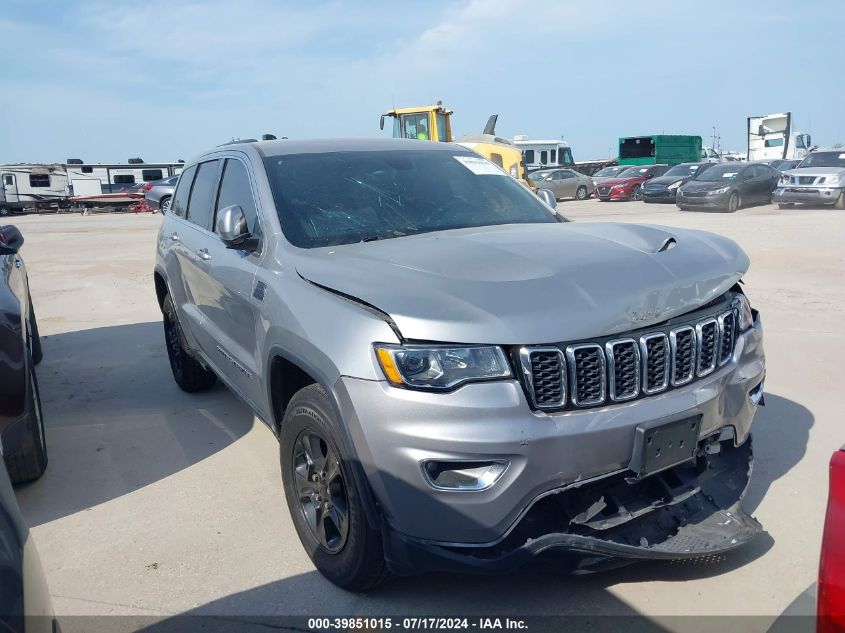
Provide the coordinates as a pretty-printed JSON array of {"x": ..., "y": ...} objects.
[{"x": 163, "y": 80}]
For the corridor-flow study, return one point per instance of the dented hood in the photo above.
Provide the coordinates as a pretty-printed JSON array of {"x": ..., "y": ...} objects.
[{"x": 530, "y": 283}]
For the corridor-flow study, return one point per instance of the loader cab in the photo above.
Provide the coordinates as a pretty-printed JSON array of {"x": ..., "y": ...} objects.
[{"x": 427, "y": 123}]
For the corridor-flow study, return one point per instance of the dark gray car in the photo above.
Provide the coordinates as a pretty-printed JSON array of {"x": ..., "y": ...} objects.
[
  {"x": 458, "y": 377},
  {"x": 159, "y": 193},
  {"x": 728, "y": 187}
]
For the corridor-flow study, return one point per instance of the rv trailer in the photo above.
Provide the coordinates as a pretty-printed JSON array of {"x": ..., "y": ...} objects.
[{"x": 26, "y": 185}]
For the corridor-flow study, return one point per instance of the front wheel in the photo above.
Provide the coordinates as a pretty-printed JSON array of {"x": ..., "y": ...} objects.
[
  {"x": 323, "y": 498},
  {"x": 733, "y": 203},
  {"x": 636, "y": 193},
  {"x": 582, "y": 193},
  {"x": 840, "y": 201}
]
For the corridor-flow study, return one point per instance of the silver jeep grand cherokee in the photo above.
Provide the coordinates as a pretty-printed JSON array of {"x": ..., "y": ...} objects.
[{"x": 459, "y": 378}]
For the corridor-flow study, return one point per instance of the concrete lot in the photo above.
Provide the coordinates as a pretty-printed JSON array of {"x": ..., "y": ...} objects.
[{"x": 159, "y": 502}]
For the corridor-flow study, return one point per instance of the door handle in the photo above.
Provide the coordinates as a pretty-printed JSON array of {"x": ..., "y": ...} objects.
[
  {"x": 174, "y": 237},
  {"x": 203, "y": 254}
]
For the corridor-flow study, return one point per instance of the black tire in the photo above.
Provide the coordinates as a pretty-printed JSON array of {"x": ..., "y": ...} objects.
[
  {"x": 28, "y": 461},
  {"x": 34, "y": 338},
  {"x": 164, "y": 205},
  {"x": 188, "y": 373},
  {"x": 734, "y": 203},
  {"x": 840, "y": 202},
  {"x": 581, "y": 193},
  {"x": 355, "y": 560},
  {"x": 636, "y": 193},
  {"x": 682, "y": 207},
  {"x": 785, "y": 205}
]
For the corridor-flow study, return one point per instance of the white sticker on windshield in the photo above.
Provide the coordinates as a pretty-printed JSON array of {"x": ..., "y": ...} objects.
[
  {"x": 842, "y": 156},
  {"x": 693, "y": 167},
  {"x": 479, "y": 166},
  {"x": 729, "y": 174}
]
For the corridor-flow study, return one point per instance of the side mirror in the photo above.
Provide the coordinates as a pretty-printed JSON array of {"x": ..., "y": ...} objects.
[
  {"x": 233, "y": 230},
  {"x": 11, "y": 240},
  {"x": 547, "y": 197},
  {"x": 381, "y": 123}
]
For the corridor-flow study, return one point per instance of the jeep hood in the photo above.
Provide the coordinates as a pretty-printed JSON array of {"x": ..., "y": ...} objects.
[{"x": 530, "y": 283}]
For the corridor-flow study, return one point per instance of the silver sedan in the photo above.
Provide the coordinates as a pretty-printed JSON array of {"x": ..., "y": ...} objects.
[
  {"x": 564, "y": 183},
  {"x": 158, "y": 193}
]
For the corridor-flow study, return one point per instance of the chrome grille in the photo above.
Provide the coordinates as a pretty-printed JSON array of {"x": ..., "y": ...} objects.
[
  {"x": 683, "y": 343},
  {"x": 545, "y": 372},
  {"x": 603, "y": 191},
  {"x": 707, "y": 333},
  {"x": 608, "y": 371},
  {"x": 623, "y": 369},
  {"x": 587, "y": 374},
  {"x": 654, "y": 349},
  {"x": 727, "y": 336}
]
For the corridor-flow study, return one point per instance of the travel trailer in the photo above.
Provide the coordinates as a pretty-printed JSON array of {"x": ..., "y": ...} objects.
[
  {"x": 543, "y": 154},
  {"x": 58, "y": 185},
  {"x": 773, "y": 136}
]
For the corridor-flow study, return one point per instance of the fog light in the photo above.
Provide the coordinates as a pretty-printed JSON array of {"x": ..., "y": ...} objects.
[{"x": 463, "y": 475}]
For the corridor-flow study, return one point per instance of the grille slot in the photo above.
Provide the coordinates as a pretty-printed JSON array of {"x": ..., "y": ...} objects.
[
  {"x": 587, "y": 374},
  {"x": 623, "y": 369},
  {"x": 683, "y": 343},
  {"x": 654, "y": 349},
  {"x": 545, "y": 373},
  {"x": 727, "y": 336},
  {"x": 707, "y": 333}
]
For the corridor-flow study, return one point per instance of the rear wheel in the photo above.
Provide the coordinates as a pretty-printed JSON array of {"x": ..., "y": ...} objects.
[
  {"x": 581, "y": 193},
  {"x": 164, "y": 204},
  {"x": 636, "y": 193},
  {"x": 28, "y": 461},
  {"x": 733, "y": 202},
  {"x": 323, "y": 498},
  {"x": 188, "y": 373}
]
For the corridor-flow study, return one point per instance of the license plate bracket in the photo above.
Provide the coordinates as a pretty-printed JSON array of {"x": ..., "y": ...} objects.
[{"x": 659, "y": 444}]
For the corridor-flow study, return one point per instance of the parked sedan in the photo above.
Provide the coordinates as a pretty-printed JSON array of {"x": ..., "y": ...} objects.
[
  {"x": 158, "y": 193},
  {"x": 564, "y": 183},
  {"x": 628, "y": 184},
  {"x": 831, "y": 590},
  {"x": 608, "y": 173},
  {"x": 663, "y": 188},
  {"x": 729, "y": 186},
  {"x": 21, "y": 422}
]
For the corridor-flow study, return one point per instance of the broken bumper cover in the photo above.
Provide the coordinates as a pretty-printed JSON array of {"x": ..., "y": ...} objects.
[{"x": 690, "y": 511}]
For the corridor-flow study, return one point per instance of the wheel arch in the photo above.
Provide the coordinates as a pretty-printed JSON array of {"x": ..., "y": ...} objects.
[
  {"x": 161, "y": 287},
  {"x": 302, "y": 373}
]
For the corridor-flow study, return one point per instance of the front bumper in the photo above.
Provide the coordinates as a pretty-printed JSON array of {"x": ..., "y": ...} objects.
[
  {"x": 395, "y": 430},
  {"x": 806, "y": 195},
  {"x": 615, "y": 194},
  {"x": 704, "y": 202},
  {"x": 659, "y": 195}
]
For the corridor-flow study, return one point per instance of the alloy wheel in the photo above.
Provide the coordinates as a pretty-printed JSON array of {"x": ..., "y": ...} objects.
[{"x": 321, "y": 490}]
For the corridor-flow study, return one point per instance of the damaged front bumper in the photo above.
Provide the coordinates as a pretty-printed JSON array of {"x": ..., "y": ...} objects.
[{"x": 691, "y": 510}]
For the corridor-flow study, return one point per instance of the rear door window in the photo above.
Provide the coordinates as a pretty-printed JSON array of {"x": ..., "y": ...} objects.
[
  {"x": 201, "y": 204},
  {"x": 235, "y": 189},
  {"x": 183, "y": 192}
]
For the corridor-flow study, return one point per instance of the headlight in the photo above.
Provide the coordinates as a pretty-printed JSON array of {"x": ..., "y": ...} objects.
[
  {"x": 440, "y": 368},
  {"x": 675, "y": 185},
  {"x": 619, "y": 186},
  {"x": 746, "y": 317},
  {"x": 784, "y": 179},
  {"x": 831, "y": 180},
  {"x": 717, "y": 192}
]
